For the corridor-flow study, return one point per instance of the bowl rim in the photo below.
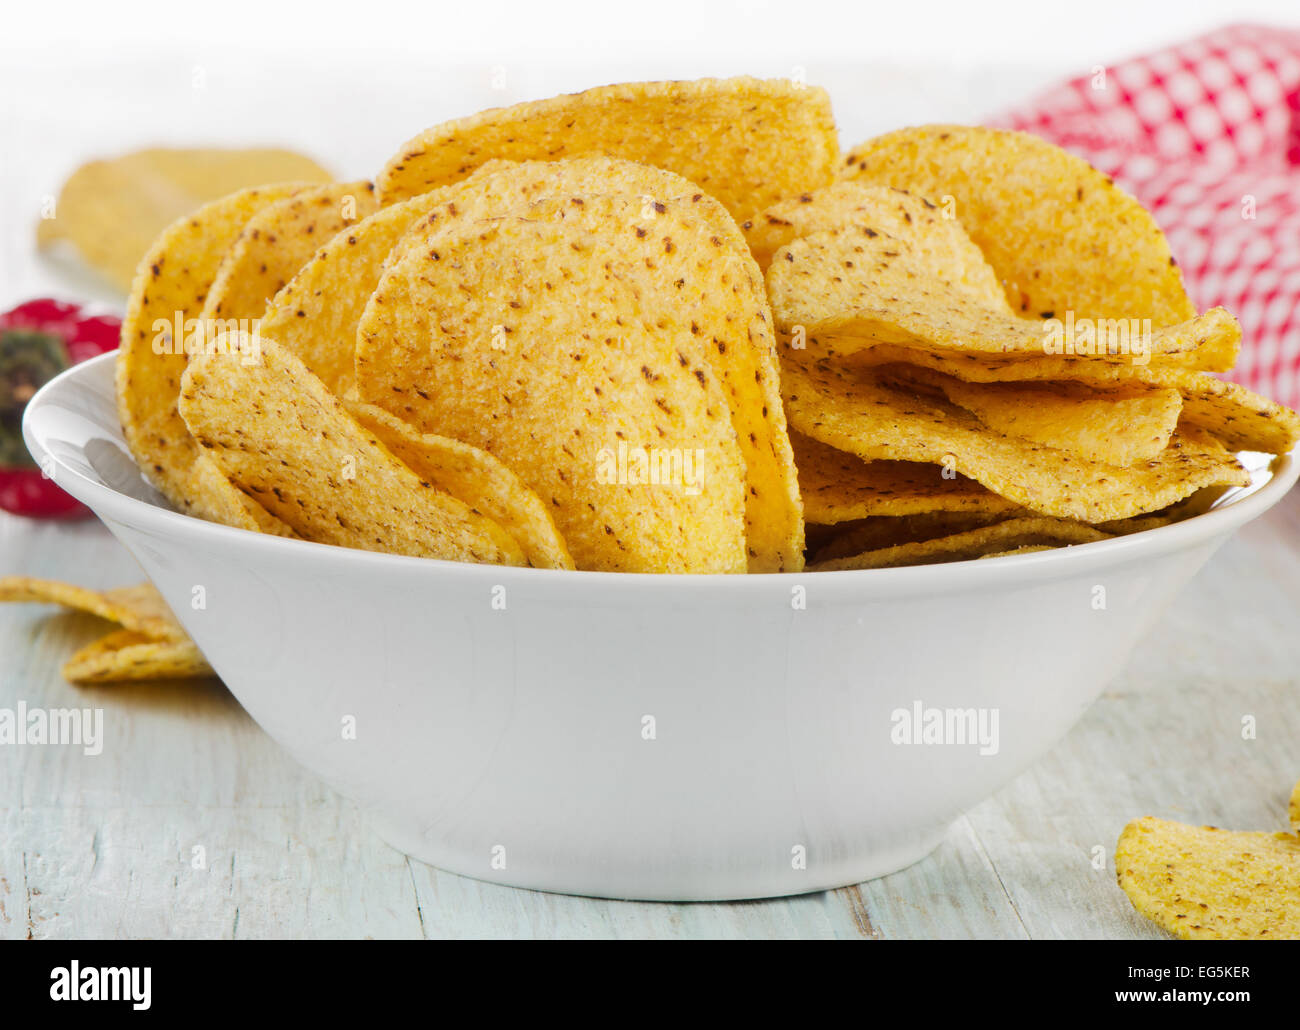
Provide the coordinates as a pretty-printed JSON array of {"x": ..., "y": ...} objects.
[{"x": 109, "y": 503}]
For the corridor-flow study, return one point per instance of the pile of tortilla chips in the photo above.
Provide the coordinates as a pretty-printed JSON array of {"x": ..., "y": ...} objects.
[{"x": 569, "y": 334}]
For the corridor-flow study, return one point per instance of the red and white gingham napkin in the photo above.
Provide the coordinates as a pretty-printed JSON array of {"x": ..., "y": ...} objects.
[{"x": 1207, "y": 135}]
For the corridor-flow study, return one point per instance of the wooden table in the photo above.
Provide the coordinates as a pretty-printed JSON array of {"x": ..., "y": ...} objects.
[{"x": 192, "y": 823}]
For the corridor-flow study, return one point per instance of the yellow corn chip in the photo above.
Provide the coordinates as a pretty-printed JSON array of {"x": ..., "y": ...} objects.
[
  {"x": 878, "y": 532},
  {"x": 213, "y": 496},
  {"x": 474, "y": 477},
  {"x": 749, "y": 372},
  {"x": 857, "y": 285},
  {"x": 502, "y": 187},
  {"x": 316, "y": 315},
  {"x": 938, "y": 241},
  {"x": 1060, "y": 235},
  {"x": 125, "y": 655},
  {"x": 1027, "y": 549},
  {"x": 276, "y": 431},
  {"x": 610, "y": 337},
  {"x": 838, "y": 486},
  {"x": 276, "y": 242},
  {"x": 1240, "y": 419},
  {"x": 975, "y": 543},
  {"x": 1294, "y": 808},
  {"x": 854, "y": 410},
  {"x": 112, "y": 210},
  {"x": 168, "y": 292},
  {"x": 1115, "y": 427},
  {"x": 137, "y": 608},
  {"x": 1197, "y": 504},
  {"x": 747, "y": 142},
  {"x": 1203, "y": 883}
]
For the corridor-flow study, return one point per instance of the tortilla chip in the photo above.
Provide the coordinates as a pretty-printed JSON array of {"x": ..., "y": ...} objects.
[
  {"x": 1114, "y": 427},
  {"x": 474, "y": 477},
  {"x": 1028, "y": 549},
  {"x": 858, "y": 285},
  {"x": 1203, "y": 883},
  {"x": 747, "y": 142},
  {"x": 281, "y": 436},
  {"x": 749, "y": 372},
  {"x": 1240, "y": 419},
  {"x": 504, "y": 187},
  {"x": 1197, "y": 504},
  {"x": 112, "y": 210},
  {"x": 277, "y": 241},
  {"x": 1294, "y": 808},
  {"x": 839, "y": 487},
  {"x": 125, "y": 655},
  {"x": 1060, "y": 235},
  {"x": 939, "y": 242},
  {"x": 878, "y": 532},
  {"x": 856, "y": 410},
  {"x": 140, "y": 609},
  {"x": 213, "y": 496},
  {"x": 1000, "y": 537},
  {"x": 588, "y": 352},
  {"x": 172, "y": 284},
  {"x": 316, "y": 315}
]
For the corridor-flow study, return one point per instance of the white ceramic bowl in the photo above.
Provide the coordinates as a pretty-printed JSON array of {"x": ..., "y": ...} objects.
[{"x": 662, "y": 737}]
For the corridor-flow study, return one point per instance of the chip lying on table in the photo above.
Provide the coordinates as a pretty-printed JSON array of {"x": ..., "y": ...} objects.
[
  {"x": 151, "y": 644},
  {"x": 1204, "y": 883},
  {"x": 111, "y": 210},
  {"x": 569, "y": 334}
]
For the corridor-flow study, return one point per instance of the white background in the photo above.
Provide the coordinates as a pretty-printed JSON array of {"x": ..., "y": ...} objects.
[{"x": 349, "y": 83}]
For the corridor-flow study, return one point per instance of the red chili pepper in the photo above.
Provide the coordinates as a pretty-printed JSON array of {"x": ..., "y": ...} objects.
[{"x": 38, "y": 340}]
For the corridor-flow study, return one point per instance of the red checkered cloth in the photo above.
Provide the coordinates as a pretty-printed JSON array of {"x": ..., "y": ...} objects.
[{"x": 1207, "y": 136}]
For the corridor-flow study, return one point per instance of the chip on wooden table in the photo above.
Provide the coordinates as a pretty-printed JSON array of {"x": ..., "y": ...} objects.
[
  {"x": 151, "y": 645},
  {"x": 138, "y": 608},
  {"x": 112, "y": 210},
  {"x": 128, "y": 656},
  {"x": 1204, "y": 883}
]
